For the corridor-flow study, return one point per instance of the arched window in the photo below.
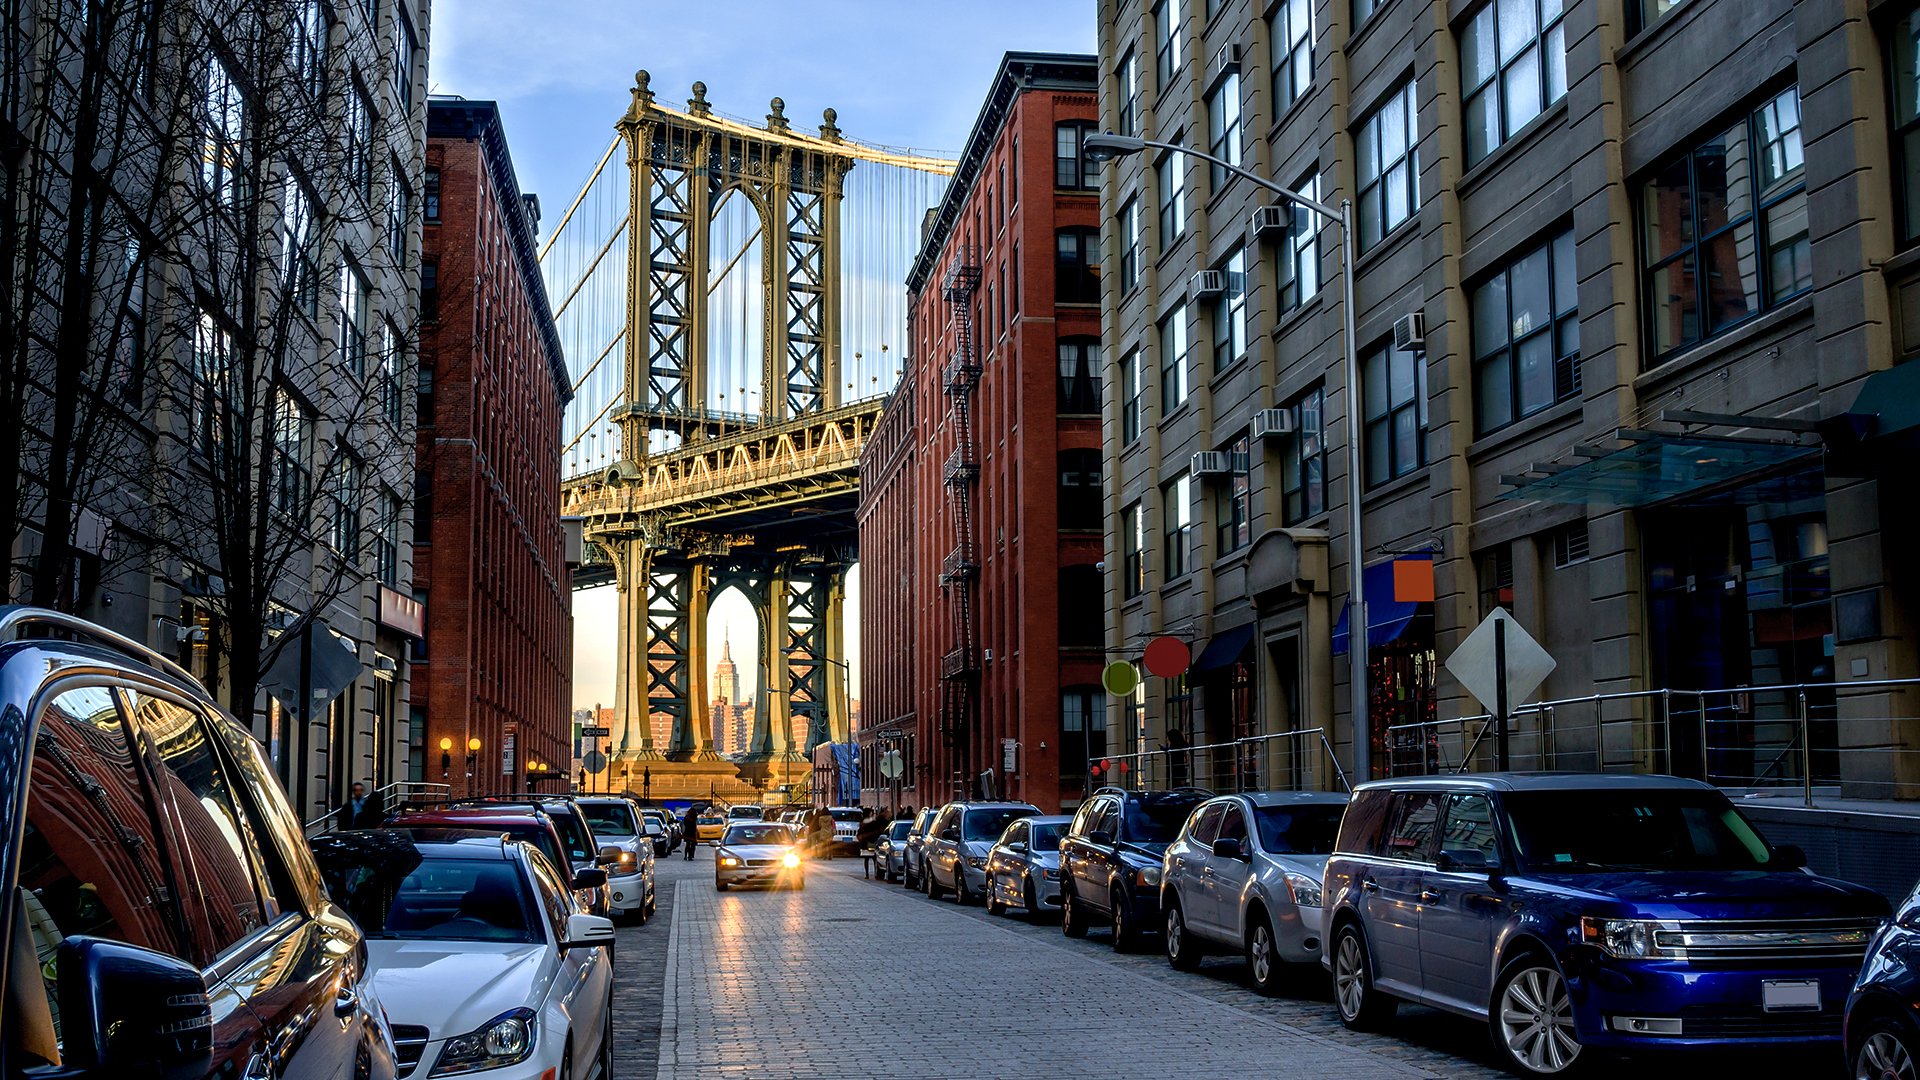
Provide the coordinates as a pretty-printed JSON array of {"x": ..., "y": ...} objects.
[
  {"x": 1077, "y": 273},
  {"x": 1079, "y": 489},
  {"x": 1083, "y": 610},
  {"x": 1080, "y": 375}
]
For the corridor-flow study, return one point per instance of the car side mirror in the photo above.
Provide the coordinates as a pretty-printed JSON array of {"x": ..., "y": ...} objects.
[
  {"x": 1229, "y": 849},
  {"x": 1101, "y": 837},
  {"x": 608, "y": 855},
  {"x": 591, "y": 878},
  {"x": 587, "y": 931},
  {"x": 1463, "y": 860},
  {"x": 1019, "y": 846},
  {"x": 950, "y": 834},
  {"x": 129, "y": 1011},
  {"x": 1789, "y": 856}
]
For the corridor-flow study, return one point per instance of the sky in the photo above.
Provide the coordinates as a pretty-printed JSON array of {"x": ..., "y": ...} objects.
[{"x": 904, "y": 73}]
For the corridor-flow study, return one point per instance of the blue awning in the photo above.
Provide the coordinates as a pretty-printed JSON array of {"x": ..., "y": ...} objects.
[
  {"x": 1387, "y": 617},
  {"x": 1225, "y": 648}
]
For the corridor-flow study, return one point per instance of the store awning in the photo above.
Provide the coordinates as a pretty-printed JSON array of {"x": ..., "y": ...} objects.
[
  {"x": 1225, "y": 648},
  {"x": 1658, "y": 466},
  {"x": 1395, "y": 591},
  {"x": 1881, "y": 430}
]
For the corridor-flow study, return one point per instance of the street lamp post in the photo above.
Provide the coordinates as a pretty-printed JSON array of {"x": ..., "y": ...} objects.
[{"x": 1107, "y": 146}]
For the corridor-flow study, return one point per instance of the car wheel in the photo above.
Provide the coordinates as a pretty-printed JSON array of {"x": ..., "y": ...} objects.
[
  {"x": 1263, "y": 960},
  {"x": 1533, "y": 1019},
  {"x": 934, "y": 891},
  {"x": 1361, "y": 1006},
  {"x": 606, "y": 1043},
  {"x": 961, "y": 894},
  {"x": 1072, "y": 923},
  {"x": 1182, "y": 950},
  {"x": 719, "y": 886},
  {"x": 995, "y": 906},
  {"x": 1030, "y": 900},
  {"x": 1126, "y": 931},
  {"x": 1887, "y": 1053}
]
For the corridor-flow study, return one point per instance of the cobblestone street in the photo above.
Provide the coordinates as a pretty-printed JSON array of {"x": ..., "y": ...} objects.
[{"x": 862, "y": 979}]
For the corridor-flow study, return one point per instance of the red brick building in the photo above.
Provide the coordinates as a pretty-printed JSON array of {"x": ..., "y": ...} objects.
[
  {"x": 980, "y": 517},
  {"x": 489, "y": 549}
]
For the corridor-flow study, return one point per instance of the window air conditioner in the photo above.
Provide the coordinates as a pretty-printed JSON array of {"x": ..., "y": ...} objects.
[
  {"x": 1272, "y": 423},
  {"x": 1410, "y": 332},
  {"x": 1270, "y": 221},
  {"x": 1212, "y": 463},
  {"x": 1207, "y": 284}
]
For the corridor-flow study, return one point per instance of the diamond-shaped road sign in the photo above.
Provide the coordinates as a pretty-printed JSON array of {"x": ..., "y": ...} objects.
[
  {"x": 1474, "y": 663},
  {"x": 890, "y": 766}
]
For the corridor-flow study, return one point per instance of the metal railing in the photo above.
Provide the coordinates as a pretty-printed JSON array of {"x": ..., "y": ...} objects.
[
  {"x": 1283, "y": 761},
  {"x": 393, "y": 797}
]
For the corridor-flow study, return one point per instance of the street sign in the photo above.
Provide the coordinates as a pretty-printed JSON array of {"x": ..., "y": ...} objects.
[
  {"x": 595, "y": 732},
  {"x": 1120, "y": 677},
  {"x": 890, "y": 766},
  {"x": 1009, "y": 749},
  {"x": 594, "y": 762},
  {"x": 509, "y": 737},
  {"x": 1500, "y": 665},
  {"x": 1167, "y": 656},
  {"x": 888, "y": 734}
]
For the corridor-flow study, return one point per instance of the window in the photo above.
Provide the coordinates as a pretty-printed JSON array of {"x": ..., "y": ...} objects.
[
  {"x": 1080, "y": 489},
  {"x": 1223, "y": 128},
  {"x": 353, "y": 319},
  {"x": 140, "y": 45},
  {"x": 1414, "y": 816},
  {"x": 1388, "y": 156},
  {"x": 346, "y": 504},
  {"x": 359, "y": 130},
  {"x": 1233, "y": 499},
  {"x": 1132, "y": 389},
  {"x": 1303, "y": 462},
  {"x": 422, "y": 506},
  {"x": 292, "y": 477},
  {"x": 299, "y": 272},
  {"x": 403, "y": 53},
  {"x": 310, "y": 30},
  {"x": 1470, "y": 827},
  {"x": 1166, "y": 44},
  {"x": 1133, "y": 550},
  {"x": 212, "y": 378},
  {"x": 1905, "y": 76},
  {"x": 1570, "y": 544},
  {"x": 1290, "y": 52},
  {"x": 430, "y": 197},
  {"x": 1731, "y": 214},
  {"x": 1173, "y": 198},
  {"x": 1013, "y": 295},
  {"x": 1526, "y": 336},
  {"x": 1299, "y": 265},
  {"x": 1129, "y": 222},
  {"x": 1127, "y": 80},
  {"x": 430, "y": 291},
  {"x": 1079, "y": 375},
  {"x": 1083, "y": 607},
  {"x": 392, "y": 399},
  {"x": 1496, "y": 579},
  {"x": 1077, "y": 275},
  {"x": 1176, "y": 509},
  {"x": 1230, "y": 314},
  {"x": 1173, "y": 361},
  {"x": 1083, "y": 730},
  {"x": 399, "y": 213},
  {"x": 1513, "y": 64},
  {"x": 1395, "y": 396},
  {"x": 1647, "y": 12},
  {"x": 387, "y": 543},
  {"x": 1013, "y": 180},
  {"x": 1073, "y": 170},
  {"x": 1364, "y": 9},
  {"x": 423, "y": 396},
  {"x": 220, "y": 157}
]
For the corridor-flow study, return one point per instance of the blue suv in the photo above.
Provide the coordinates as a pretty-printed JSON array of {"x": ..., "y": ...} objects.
[{"x": 1570, "y": 911}]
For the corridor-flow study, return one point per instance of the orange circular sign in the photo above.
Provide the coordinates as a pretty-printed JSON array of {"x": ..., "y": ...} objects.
[{"x": 1168, "y": 656}]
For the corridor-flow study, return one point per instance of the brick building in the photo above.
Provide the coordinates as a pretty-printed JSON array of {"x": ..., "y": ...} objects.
[
  {"x": 488, "y": 540},
  {"x": 980, "y": 514}
]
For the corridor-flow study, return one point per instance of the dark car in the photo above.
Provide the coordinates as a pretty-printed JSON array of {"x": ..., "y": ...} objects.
[
  {"x": 913, "y": 856},
  {"x": 1882, "y": 1025},
  {"x": 1575, "y": 911},
  {"x": 166, "y": 915},
  {"x": 1110, "y": 860},
  {"x": 524, "y": 821}
]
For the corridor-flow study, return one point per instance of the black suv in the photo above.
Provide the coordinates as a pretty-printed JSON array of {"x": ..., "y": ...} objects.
[
  {"x": 1110, "y": 859},
  {"x": 164, "y": 914}
]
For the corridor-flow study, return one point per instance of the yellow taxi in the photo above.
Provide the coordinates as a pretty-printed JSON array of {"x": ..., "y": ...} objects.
[{"x": 710, "y": 826}]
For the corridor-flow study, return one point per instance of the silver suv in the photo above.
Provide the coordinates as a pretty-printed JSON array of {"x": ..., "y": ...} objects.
[{"x": 955, "y": 855}]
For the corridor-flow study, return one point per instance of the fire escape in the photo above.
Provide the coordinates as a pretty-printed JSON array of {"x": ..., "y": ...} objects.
[{"x": 960, "y": 666}]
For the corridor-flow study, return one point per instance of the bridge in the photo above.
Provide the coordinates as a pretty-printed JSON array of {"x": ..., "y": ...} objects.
[{"x": 730, "y": 363}]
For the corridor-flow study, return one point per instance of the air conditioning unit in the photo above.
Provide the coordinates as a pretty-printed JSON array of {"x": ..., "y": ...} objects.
[
  {"x": 1270, "y": 221},
  {"x": 1272, "y": 423},
  {"x": 1207, "y": 284},
  {"x": 1212, "y": 463},
  {"x": 1410, "y": 332},
  {"x": 1227, "y": 60}
]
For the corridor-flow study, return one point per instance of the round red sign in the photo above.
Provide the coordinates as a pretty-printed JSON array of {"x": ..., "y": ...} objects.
[{"x": 1168, "y": 656}]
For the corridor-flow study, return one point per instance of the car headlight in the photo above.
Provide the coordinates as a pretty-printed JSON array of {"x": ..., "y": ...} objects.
[
  {"x": 976, "y": 861},
  {"x": 504, "y": 1040},
  {"x": 1050, "y": 875},
  {"x": 1147, "y": 877},
  {"x": 1625, "y": 938},
  {"x": 628, "y": 858},
  {"x": 728, "y": 860},
  {"x": 790, "y": 860},
  {"x": 1305, "y": 890}
]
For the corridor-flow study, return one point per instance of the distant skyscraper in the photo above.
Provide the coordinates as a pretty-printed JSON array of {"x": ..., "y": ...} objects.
[{"x": 726, "y": 678}]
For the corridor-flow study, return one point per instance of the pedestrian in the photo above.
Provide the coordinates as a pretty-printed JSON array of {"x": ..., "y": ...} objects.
[
  {"x": 360, "y": 811},
  {"x": 690, "y": 829},
  {"x": 822, "y": 828},
  {"x": 870, "y": 828}
]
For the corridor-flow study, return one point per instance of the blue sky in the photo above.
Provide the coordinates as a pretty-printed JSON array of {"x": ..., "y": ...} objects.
[{"x": 898, "y": 72}]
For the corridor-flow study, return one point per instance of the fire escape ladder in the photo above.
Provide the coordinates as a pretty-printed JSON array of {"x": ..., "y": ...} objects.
[{"x": 960, "y": 666}]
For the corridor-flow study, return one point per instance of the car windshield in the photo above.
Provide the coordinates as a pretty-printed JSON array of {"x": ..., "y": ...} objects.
[
  {"x": 712, "y": 819},
  {"x": 989, "y": 824},
  {"x": 574, "y": 835},
  {"x": 1046, "y": 837},
  {"x": 531, "y": 832},
  {"x": 850, "y": 813},
  {"x": 1302, "y": 830},
  {"x": 1583, "y": 832},
  {"x": 460, "y": 900},
  {"x": 744, "y": 812},
  {"x": 1155, "y": 818},
  {"x": 758, "y": 834},
  {"x": 899, "y": 830},
  {"x": 609, "y": 819}
]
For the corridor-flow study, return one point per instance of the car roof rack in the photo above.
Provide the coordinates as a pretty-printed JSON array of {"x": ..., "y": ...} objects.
[{"x": 15, "y": 619}]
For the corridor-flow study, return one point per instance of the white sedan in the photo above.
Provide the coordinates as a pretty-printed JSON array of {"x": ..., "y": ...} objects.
[
  {"x": 484, "y": 961},
  {"x": 758, "y": 853}
]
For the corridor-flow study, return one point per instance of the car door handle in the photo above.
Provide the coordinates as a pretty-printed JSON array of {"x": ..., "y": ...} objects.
[
  {"x": 1428, "y": 896},
  {"x": 346, "y": 1002},
  {"x": 1370, "y": 885}
]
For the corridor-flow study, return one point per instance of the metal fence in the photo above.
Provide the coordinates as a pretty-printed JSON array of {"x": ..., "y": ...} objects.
[
  {"x": 393, "y": 798},
  {"x": 1289, "y": 760}
]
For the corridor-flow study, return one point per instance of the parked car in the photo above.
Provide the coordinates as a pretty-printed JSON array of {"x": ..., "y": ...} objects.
[
  {"x": 149, "y": 842},
  {"x": 484, "y": 961},
  {"x": 957, "y": 842},
  {"x": 528, "y": 822},
  {"x": 1023, "y": 867},
  {"x": 758, "y": 853},
  {"x": 1576, "y": 911},
  {"x": 1881, "y": 1031},
  {"x": 1110, "y": 860},
  {"x": 1244, "y": 876},
  {"x": 889, "y": 852},
  {"x": 630, "y": 877},
  {"x": 846, "y": 828},
  {"x": 660, "y": 829},
  {"x": 913, "y": 854}
]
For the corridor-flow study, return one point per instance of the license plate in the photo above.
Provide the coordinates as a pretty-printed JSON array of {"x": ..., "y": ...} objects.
[{"x": 1790, "y": 995}]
